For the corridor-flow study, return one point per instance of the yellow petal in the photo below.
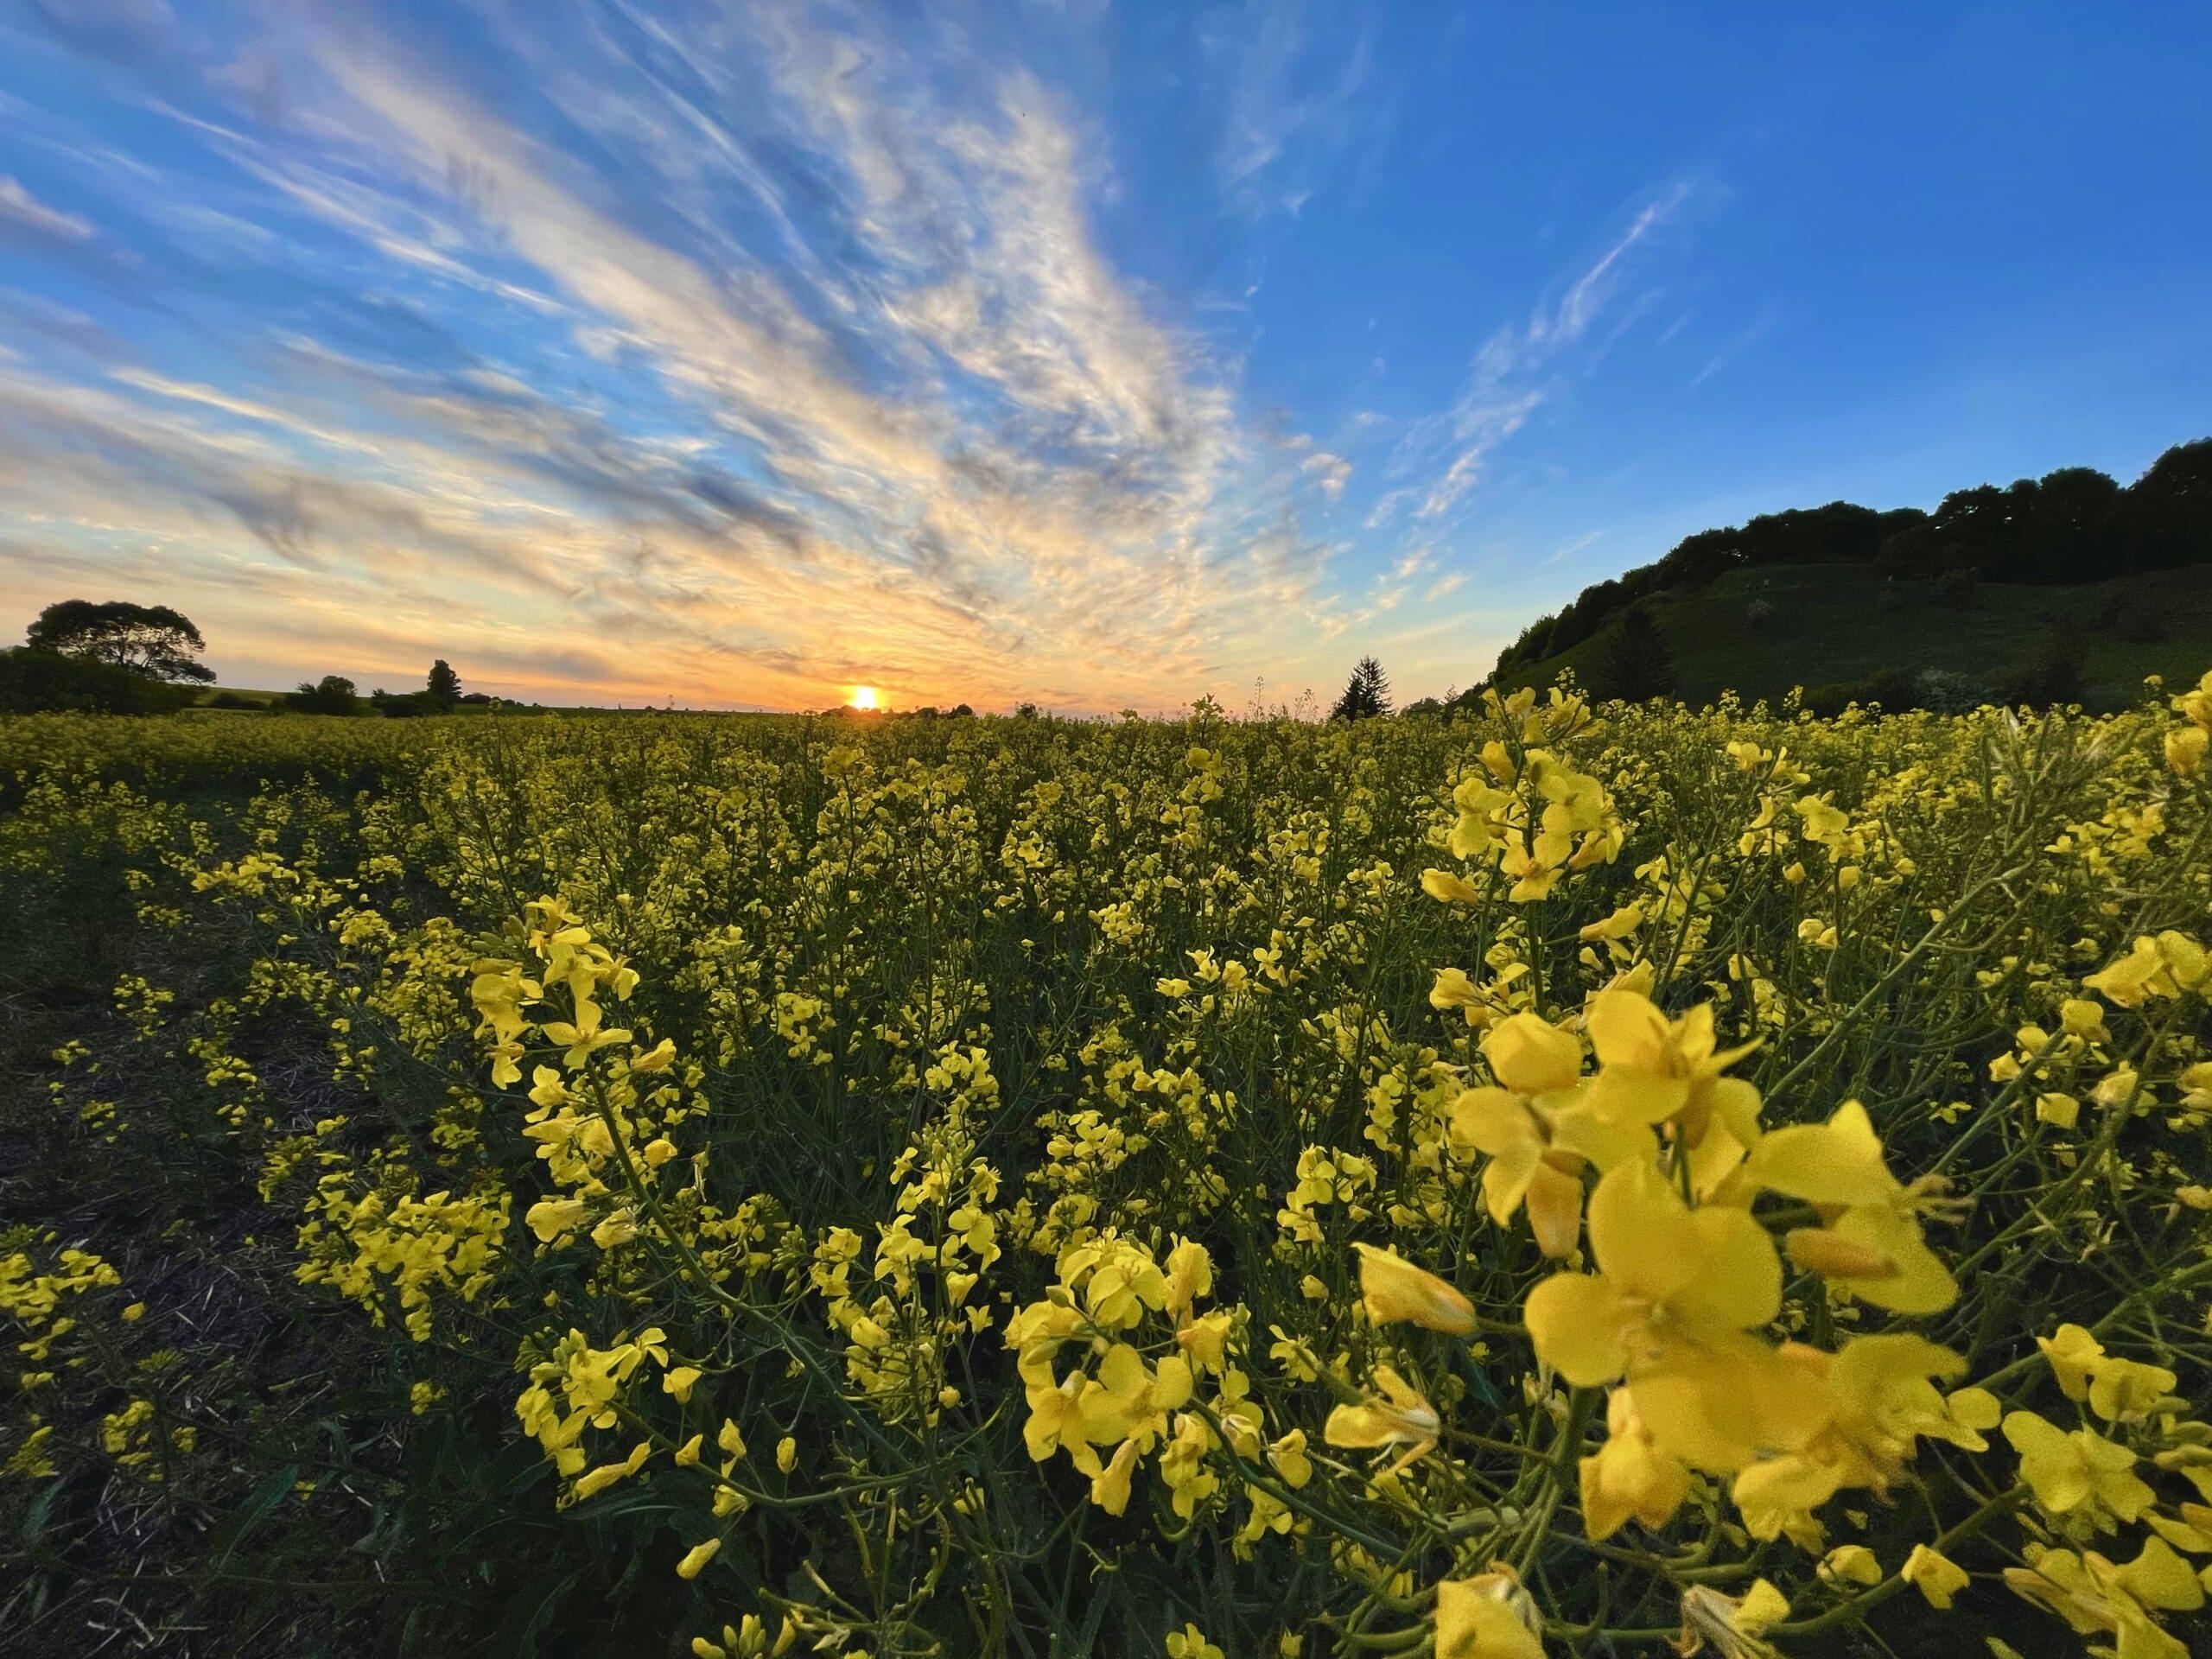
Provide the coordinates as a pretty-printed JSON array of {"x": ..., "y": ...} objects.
[
  {"x": 1922, "y": 1284},
  {"x": 1554, "y": 1210},
  {"x": 1935, "y": 1575},
  {"x": 1626, "y": 1029},
  {"x": 1638, "y": 1232},
  {"x": 1531, "y": 1056},
  {"x": 1396, "y": 1292},
  {"x": 1472, "y": 1622},
  {"x": 1836, "y": 1162},
  {"x": 1452, "y": 889},
  {"x": 1576, "y": 1322}
]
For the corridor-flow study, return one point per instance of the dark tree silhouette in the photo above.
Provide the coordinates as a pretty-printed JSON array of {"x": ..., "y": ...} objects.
[
  {"x": 151, "y": 640},
  {"x": 2070, "y": 526},
  {"x": 1639, "y": 665},
  {"x": 1367, "y": 694},
  {"x": 333, "y": 694},
  {"x": 445, "y": 684}
]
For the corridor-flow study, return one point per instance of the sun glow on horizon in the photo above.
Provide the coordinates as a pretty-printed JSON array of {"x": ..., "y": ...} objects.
[{"x": 863, "y": 697}]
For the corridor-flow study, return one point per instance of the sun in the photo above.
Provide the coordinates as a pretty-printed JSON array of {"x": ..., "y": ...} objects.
[{"x": 863, "y": 696}]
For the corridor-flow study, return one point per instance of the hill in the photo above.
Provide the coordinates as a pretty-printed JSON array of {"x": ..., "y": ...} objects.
[
  {"x": 2038, "y": 591},
  {"x": 1763, "y": 630}
]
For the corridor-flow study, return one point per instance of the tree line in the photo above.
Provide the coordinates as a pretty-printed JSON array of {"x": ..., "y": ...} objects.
[
  {"x": 2070, "y": 526},
  {"x": 114, "y": 657}
]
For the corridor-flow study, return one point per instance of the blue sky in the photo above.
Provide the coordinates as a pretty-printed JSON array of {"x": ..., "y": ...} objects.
[{"x": 1099, "y": 355}]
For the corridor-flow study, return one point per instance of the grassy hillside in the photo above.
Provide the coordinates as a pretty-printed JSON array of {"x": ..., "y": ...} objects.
[{"x": 1765, "y": 629}]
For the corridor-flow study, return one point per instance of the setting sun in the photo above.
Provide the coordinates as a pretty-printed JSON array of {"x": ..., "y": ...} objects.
[{"x": 863, "y": 696}]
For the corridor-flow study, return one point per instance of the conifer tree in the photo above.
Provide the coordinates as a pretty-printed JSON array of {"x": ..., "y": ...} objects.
[
  {"x": 1639, "y": 665},
  {"x": 1366, "y": 695}
]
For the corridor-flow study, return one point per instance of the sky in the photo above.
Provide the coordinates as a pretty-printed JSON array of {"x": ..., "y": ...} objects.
[{"x": 1102, "y": 356}]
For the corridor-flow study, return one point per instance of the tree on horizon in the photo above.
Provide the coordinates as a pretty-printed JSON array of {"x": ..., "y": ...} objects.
[
  {"x": 444, "y": 687},
  {"x": 152, "y": 641},
  {"x": 1366, "y": 695}
]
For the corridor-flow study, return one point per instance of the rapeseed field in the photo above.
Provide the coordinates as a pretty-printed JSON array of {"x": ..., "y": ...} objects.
[{"x": 1570, "y": 1178}]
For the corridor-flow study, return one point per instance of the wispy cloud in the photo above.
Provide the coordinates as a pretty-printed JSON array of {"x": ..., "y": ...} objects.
[
  {"x": 1522, "y": 367},
  {"x": 719, "y": 347},
  {"x": 847, "y": 390},
  {"x": 1295, "y": 89},
  {"x": 1737, "y": 344},
  {"x": 1560, "y": 555},
  {"x": 19, "y": 207}
]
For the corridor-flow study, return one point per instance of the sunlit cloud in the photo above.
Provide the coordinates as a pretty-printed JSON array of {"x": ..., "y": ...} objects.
[{"x": 740, "y": 354}]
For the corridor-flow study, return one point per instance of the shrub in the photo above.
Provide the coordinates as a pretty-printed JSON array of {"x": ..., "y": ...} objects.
[
  {"x": 2049, "y": 676},
  {"x": 1894, "y": 691},
  {"x": 333, "y": 694},
  {"x": 33, "y": 681}
]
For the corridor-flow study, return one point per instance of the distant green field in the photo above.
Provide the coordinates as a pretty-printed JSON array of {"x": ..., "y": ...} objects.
[{"x": 1761, "y": 632}]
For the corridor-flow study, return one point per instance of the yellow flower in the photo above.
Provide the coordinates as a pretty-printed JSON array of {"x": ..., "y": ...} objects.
[
  {"x": 596, "y": 1481},
  {"x": 1532, "y": 1057},
  {"x": 1396, "y": 1292},
  {"x": 1537, "y": 1131},
  {"x": 2185, "y": 747},
  {"x": 748, "y": 1639},
  {"x": 1189, "y": 1642},
  {"x": 1453, "y": 990},
  {"x": 696, "y": 1558},
  {"x": 2070, "y": 1470},
  {"x": 1851, "y": 1564},
  {"x": 2072, "y": 1353},
  {"x": 2163, "y": 966},
  {"x": 1490, "y": 1616},
  {"x": 1731, "y": 1627},
  {"x": 1629, "y": 1479},
  {"x": 585, "y": 1036},
  {"x": 1399, "y": 1416},
  {"x": 659, "y": 1057},
  {"x": 1879, "y": 1398},
  {"x": 1109, "y": 1487},
  {"x": 2118, "y": 1390},
  {"x": 1873, "y": 1246},
  {"x": 2095, "y": 1596},
  {"x": 1935, "y": 1575},
  {"x": 1618, "y": 925},
  {"x": 680, "y": 1383},
  {"x": 787, "y": 1455},
  {"x": 552, "y": 1218},
  {"x": 1450, "y": 888},
  {"x": 1651, "y": 1069},
  {"x": 1288, "y": 1457},
  {"x": 1674, "y": 1292}
]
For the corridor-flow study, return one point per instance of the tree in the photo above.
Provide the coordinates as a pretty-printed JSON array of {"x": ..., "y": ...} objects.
[
  {"x": 1367, "y": 694},
  {"x": 333, "y": 694},
  {"x": 33, "y": 681},
  {"x": 150, "y": 640},
  {"x": 445, "y": 684},
  {"x": 1639, "y": 665}
]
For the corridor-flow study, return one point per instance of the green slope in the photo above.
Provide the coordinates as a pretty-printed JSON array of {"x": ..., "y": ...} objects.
[{"x": 1762, "y": 631}]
